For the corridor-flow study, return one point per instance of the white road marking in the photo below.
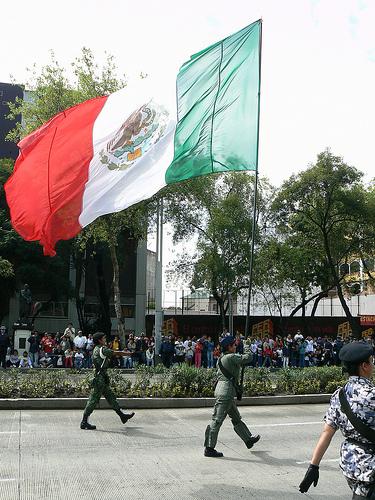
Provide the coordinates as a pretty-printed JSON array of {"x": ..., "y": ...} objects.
[
  {"x": 323, "y": 461},
  {"x": 8, "y": 479},
  {"x": 287, "y": 424},
  {"x": 10, "y": 432}
]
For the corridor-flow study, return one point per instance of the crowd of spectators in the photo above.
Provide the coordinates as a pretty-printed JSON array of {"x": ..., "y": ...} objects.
[
  {"x": 74, "y": 350},
  {"x": 291, "y": 351},
  {"x": 59, "y": 350},
  {"x": 295, "y": 351}
]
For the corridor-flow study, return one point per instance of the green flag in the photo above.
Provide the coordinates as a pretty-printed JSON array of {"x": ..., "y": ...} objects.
[{"x": 218, "y": 107}]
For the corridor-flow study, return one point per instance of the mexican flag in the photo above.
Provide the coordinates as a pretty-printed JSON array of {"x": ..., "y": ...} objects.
[{"x": 109, "y": 153}]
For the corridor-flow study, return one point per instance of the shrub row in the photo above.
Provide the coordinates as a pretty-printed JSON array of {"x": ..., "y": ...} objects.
[{"x": 177, "y": 382}]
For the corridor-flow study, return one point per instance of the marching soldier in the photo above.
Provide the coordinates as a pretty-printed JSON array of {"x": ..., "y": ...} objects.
[
  {"x": 352, "y": 410},
  {"x": 227, "y": 387},
  {"x": 101, "y": 359}
]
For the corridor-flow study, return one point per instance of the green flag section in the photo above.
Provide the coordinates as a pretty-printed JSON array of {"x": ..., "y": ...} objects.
[{"x": 218, "y": 93}]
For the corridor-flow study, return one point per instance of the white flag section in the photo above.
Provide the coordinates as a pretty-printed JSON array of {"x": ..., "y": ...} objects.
[
  {"x": 95, "y": 158},
  {"x": 133, "y": 147}
]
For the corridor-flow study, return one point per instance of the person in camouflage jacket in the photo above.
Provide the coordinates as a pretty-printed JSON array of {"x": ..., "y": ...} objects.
[{"x": 357, "y": 456}]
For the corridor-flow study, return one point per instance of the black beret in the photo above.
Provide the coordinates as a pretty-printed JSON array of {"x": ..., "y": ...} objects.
[
  {"x": 97, "y": 336},
  {"x": 356, "y": 352},
  {"x": 227, "y": 341}
]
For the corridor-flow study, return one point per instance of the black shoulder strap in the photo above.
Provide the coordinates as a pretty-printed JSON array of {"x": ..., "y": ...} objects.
[
  {"x": 225, "y": 372},
  {"x": 356, "y": 422}
]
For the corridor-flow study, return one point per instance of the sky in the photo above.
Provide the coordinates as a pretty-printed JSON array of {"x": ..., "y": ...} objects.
[{"x": 318, "y": 61}]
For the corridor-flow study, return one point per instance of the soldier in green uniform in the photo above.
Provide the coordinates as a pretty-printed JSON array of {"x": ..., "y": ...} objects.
[
  {"x": 101, "y": 359},
  {"x": 231, "y": 364}
]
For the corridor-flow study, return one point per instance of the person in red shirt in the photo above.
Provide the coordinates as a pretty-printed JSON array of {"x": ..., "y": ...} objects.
[
  {"x": 47, "y": 343},
  {"x": 217, "y": 353},
  {"x": 267, "y": 353},
  {"x": 198, "y": 354}
]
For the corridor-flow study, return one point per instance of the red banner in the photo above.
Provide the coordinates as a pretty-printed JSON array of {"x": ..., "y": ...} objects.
[{"x": 368, "y": 320}]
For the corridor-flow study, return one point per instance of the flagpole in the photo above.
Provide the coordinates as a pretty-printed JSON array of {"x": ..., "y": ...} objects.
[
  {"x": 159, "y": 277},
  {"x": 251, "y": 264}
]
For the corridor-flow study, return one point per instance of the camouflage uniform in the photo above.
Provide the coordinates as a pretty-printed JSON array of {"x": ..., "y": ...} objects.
[
  {"x": 101, "y": 359},
  {"x": 357, "y": 457},
  {"x": 225, "y": 403}
]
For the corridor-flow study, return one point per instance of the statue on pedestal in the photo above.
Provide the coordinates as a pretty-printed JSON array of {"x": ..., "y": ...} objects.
[{"x": 25, "y": 304}]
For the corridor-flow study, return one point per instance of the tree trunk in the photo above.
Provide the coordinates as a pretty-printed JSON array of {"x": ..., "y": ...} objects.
[
  {"x": 316, "y": 302},
  {"x": 117, "y": 292},
  {"x": 106, "y": 324},
  {"x": 303, "y": 315},
  {"x": 336, "y": 280},
  {"x": 317, "y": 297},
  {"x": 303, "y": 302},
  {"x": 220, "y": 302},
  {"x": 78, "y": 264}
]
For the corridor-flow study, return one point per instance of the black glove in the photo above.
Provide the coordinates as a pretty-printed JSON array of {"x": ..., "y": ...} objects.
[{"x": 311, "y": 476}]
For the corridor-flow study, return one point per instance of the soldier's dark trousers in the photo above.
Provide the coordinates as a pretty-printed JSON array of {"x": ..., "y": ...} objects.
[
  {"x": 100, "y": 387},
  {"x": 224, "y": 407}
]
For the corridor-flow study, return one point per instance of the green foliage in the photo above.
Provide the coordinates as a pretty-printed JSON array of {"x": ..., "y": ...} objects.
[
  {"x": 322, "y": 212},
  {"x": 258, "y": 382},
  {"x": 6, "y": 268},
  {"x": 119, "y": 384},
  {"x": 178, "y": 382},
  {"x": 217, "y": 211},
  {"x": 309, "y": 380},
  {"x": 51, "y": 90}
]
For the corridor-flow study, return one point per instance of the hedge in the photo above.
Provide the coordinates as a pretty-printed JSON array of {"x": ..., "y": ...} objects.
[{"x": 176, "y": 382}]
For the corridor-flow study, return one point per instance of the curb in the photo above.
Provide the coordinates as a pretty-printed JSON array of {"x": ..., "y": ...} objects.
[{"x": 157, "y": 403}]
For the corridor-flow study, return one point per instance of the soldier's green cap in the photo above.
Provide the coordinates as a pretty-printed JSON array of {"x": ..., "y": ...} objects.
[
  {"x": 356, "y": 352},
  {"x": 97, "y": 336}
]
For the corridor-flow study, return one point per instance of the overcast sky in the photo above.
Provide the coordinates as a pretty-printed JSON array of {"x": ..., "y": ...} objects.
[{"x": 318, "y": 61}]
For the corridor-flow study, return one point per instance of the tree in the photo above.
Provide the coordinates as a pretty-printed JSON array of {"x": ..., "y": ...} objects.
[
  {"x": 217, "y": 211},
  {"x": 281, "y": 273},
  {"x": 325, "y": 206},
  {"x": 366, "y": 251}
]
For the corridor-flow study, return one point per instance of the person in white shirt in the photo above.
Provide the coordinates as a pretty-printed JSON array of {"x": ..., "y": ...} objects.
[
  {"x": 25, "y": 361},
  {"x": 150, "y": 358},
  {"x": 78, "y": 359},
  {"x": 80, "y": 340},
  {"x": 310, "y": 345},
  {"x": 70, "y": 331},
  {"x": 298, "y": 335},
  {"x": 186, "y": 342},
  {"x": 189, "y": 353},
  {"x": 90, "y": 343}
]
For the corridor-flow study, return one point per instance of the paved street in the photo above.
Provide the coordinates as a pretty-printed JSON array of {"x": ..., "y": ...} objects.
[{"x": 159, "y": 454}]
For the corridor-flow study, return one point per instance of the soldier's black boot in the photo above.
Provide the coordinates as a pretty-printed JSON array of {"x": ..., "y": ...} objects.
[
  {"x": 125, "y": 416},
  {"x": 254, "y": 439},
  {"x": 211, "y": 452},
  {"x": 86, "y": 425}
]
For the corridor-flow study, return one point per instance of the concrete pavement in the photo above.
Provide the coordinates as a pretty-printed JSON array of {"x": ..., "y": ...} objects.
[{"x": 159, "y": 455}]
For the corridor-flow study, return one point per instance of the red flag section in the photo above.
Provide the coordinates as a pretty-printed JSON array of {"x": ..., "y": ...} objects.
[{"x": 45, "y": 191}]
